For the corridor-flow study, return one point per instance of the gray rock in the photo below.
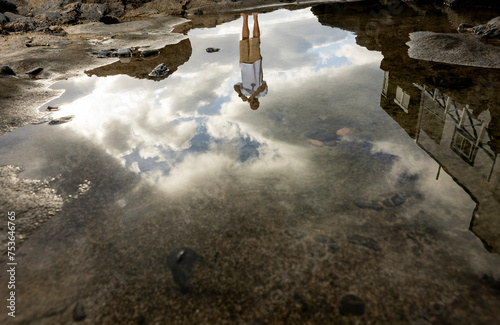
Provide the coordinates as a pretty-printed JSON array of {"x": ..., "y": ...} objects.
[
  {"x": 160, "y": 71},
  {"x": 492, "y": 29},
  {"x": 79, "y": 312},
  {"x": 182, "y": 262},
  {"x": 3, "y": 19},
  {"x": 7, "y": 71},
  {"x": 351, "y": 305},
  {"x": 148, "y": 53},
  {"x": 124, "y": 53},
  {"x": 363, "y": 241},
  {"x": 330, "y": 243},
  {"x": 12, "y": 16},
  {"x": 480, "y": 29}
]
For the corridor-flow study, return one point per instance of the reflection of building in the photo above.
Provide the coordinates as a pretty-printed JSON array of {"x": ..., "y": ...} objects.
[
  {"x": 457, "y": 139},
  {"x": 463, "y": 141},
  {"x": 450, "y": 133}
]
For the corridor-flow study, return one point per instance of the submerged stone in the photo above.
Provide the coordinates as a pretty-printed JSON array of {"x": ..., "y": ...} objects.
[
  {"x": 363, "y": 241},
  {"x": 79, "y": 312},
  {"x": 212, "y": 49},
  {"x": 330, "y": 243},
  {"x": 182, "y": 262},
  {"x": 316, "y": 143},
  {"x": 351, "y": 305},
  {"x": 326, "y": 137},
  {"x": 369, "y": 205},
  {"x": 394, "y": 201}
]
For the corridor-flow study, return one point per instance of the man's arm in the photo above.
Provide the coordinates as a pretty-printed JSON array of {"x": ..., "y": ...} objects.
[
  {"x": 237, "y": 88},
  {"x": 259, "y": 90}
]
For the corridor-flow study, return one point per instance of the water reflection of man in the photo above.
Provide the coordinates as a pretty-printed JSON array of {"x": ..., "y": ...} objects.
[{"x": 252, "y": 85}]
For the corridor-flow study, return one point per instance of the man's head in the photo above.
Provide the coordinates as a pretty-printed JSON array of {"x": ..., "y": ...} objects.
[{"x": 254, "y": 103}]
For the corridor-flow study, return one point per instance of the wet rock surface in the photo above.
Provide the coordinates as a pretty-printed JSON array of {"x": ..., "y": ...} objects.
[{"x": 160, "y": 71}]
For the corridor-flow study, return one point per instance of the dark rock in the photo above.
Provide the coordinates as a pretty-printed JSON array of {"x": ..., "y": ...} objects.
[
  {"x": 35, "y": 72},
  {"x": 212, "y": 49},
  {"x": 109, "y": 20},
  {"x": 160, "y": 71},
  {"x": 7, "y": 6},
  {"x": 7, "y": 71},
  {"x": 148, "y": 53},
  {"x": 79, "y": 312},
  {"x": 331, "y": 244},
  {"x": 62, "y": 120},
  {"x": 449, "y": 81},
  {"x": 328, "y": 138},
  {"x": 394, "y": 201},
  {"x": 464, "y": 26},
  {"x": 351, "y": 305},
  {"x": 295, "y": 234},
  {"x": 182, "y": 262},
  {"x": 363, "y": 241},
  {"x": 3, "y": 19}
]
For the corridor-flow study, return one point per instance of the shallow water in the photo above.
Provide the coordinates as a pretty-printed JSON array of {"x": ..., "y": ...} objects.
[{"x": 330, "y": 188}]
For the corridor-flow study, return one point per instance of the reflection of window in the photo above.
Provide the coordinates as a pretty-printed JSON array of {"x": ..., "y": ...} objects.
[
  {"x": 464, "y": 146},
  {"x": 402, "y": 99},
  {"x": 386, "y": 83}
]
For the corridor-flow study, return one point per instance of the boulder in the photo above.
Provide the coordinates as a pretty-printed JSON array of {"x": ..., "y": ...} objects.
[
  {"x": 93, "y": 11},
  {"x": 6, "y": 5},
  {"x": 3, "y": 19},
  {"x": 492, "y": 29}
]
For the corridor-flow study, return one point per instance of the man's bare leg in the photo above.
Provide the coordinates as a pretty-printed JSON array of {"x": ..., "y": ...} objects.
[
  {"x": 256, "y": 30},
  {"x": 245, "y": 33}
]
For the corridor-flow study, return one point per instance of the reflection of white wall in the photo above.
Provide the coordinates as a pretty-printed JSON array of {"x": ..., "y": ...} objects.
[{"x": 402, "y": 99}]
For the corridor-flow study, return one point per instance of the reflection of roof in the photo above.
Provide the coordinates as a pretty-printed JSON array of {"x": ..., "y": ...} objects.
[{"x": 173, "y": 56}]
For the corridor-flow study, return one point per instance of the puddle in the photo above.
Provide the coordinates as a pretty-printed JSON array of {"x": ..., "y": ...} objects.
[{"x": 355, "y": 189}]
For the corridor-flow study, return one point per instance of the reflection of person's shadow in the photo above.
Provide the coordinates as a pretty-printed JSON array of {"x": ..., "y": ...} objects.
[{"x": 252, "y": 85}]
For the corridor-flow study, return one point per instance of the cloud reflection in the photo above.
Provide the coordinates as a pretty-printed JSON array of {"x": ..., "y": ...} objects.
[{"x": 191, "y": 125}]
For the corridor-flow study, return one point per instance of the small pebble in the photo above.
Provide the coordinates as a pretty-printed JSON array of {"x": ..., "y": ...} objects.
[
  {"x": 316, "y": 143},
  {"x": 343, "y": 131}
]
